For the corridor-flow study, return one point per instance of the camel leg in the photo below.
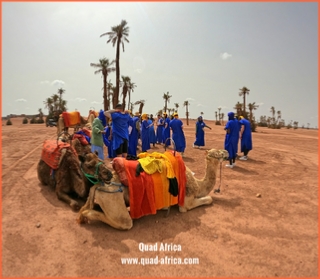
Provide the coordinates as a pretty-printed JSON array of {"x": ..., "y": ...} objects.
[
  {"x": 64, "y": 197},
  {"x": 192, "y": 202}
]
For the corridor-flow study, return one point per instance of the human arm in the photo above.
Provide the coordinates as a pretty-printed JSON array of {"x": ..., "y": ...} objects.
[{"x": 241, "y": 131}]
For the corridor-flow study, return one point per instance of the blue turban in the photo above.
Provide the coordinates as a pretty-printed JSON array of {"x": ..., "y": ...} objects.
[
  {"x": 102, "y": 118},
  {"x": 231, "y": 115}
]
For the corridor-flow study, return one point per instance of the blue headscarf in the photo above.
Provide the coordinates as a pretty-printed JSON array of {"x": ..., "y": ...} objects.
[
  {"x": 231, "y": 115},
  {"x": 102, "y": 118}
]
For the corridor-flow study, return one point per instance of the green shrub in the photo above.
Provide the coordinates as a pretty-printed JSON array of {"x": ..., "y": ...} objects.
[
  {"x": 25, "y": 120},
  {"x": 40, "y": 121},
  {"x": 9, "y": 122},
  {"x": 254, "y": 126},
  {"x": 33, "y": 120}
]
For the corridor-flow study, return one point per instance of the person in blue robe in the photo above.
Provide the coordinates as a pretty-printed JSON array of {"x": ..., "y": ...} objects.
[
  {"x": 120, "y": 132},
  {"x": 152, "y": 133},
  {"x": 231, "y": 139},
  {"x": 107, "y": 139},
  {"x": 245, "y": 138},
  {"x": 145, "y": 141},
  {"x": 166, "y": 130},
  {"x": 160, "y": 127},
  {"x": 134, "y": 129},
  {"x": 176, "y": 126},
  {"x": 200, "y": 125}
]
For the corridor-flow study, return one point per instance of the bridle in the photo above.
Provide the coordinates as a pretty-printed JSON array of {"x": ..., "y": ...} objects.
[{"x": 94, "y": 179}]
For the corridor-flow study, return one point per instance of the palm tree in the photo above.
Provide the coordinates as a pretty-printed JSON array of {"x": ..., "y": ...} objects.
[
  {"x": 131, "y": 107},
  {"x": 186, "y": 104},
  {"x": 166, "y": 98},
  {"x": 252, "y": 107},
  {"x": 141, "y": 104},
  {"x": 222, "y": 116},
  {"x": 176, "y": 105},
  {"x": 125, "y": 88},
  {"x": 216, "y": 113},
  {"x": 238, "y": 107},
  {"x": 243, "y": 92},
  {"x": 49, "y": 105},
  {"x": 60, "y": 92},
  {"x": 104, "y": 67},
  {"x": 279, "y": 116},
  {"x": 131, "y": 87},
  {"x": 273, "y": 111},
  {"x": 110, "y": 92},
  {"x": 201, "y": 113},
  {"x": 219, "y": 114},
  {"x": 117, "y": 36}
]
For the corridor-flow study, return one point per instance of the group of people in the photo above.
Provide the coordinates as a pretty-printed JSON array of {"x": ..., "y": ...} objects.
[
  {"x": 121, "y": 135},
  {"x": 237, "y": 128}
]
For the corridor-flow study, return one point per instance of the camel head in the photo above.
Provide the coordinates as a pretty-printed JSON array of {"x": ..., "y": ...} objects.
[
  {"x": 94, "y": 169},
  {"x": 80, "y": 148},
  {"x": 218, "y": 154}
]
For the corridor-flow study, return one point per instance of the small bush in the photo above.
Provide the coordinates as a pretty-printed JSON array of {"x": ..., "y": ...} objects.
[
  {"x": 25, "y": 120},
  {"x": 33, "y": 120},
  {"x": 9, "y": 122},
  {"x": 40, "y": 121},
  {"x": 218, "y": 123},
  {"x": 254, "y": 126}
]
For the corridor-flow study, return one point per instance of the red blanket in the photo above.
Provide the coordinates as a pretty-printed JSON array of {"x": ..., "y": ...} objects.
[
  {"x": 51, "y": 152},
  {"x": 141, "y": 191}
]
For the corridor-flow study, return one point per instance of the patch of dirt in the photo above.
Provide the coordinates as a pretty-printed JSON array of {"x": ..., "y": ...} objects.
[{"x": 239, "y": 235}]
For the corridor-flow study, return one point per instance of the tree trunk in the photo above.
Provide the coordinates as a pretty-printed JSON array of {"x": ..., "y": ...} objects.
[
  {"x": 116, "y": 95},
  {"x": 129, "y": 99},
  {"x": 105, "y": 101}
]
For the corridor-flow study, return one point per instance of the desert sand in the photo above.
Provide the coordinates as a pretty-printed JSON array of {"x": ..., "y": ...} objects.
[{"x": 239, "y": 235}]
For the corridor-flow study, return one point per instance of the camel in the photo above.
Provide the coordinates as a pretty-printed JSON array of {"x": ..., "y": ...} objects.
[
  {"x": 75, "y": 121},
  {"x": 109, "y": 203},
  {"x": 74, "y": 174}
]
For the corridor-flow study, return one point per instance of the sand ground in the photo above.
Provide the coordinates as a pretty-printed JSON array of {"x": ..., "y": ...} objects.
[{"x": 239, "y": 235}]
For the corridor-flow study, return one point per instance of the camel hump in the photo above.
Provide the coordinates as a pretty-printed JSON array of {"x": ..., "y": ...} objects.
[
  {"x": 52, "y": 151},
  {"x": 71, "y": 118}
]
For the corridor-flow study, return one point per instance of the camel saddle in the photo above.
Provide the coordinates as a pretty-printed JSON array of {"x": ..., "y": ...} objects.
[
  {"x": 52, "y": 150},
  {"x": 71, "y": 118}
]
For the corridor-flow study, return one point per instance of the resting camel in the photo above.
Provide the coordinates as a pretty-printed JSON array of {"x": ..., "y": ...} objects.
[
  {"x": 72, "y": 173},
  {"x": 68, "y": 120},
  {"x": 114, "y": 199}
]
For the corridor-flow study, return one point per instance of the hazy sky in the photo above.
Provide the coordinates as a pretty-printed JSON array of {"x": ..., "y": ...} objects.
[{"x": 201, "y": 52}]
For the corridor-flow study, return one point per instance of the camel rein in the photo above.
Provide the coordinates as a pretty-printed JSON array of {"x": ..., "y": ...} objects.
[{"x": 94, "y": 179}]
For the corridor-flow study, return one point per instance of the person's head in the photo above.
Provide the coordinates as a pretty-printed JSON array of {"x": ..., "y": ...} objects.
[
  {"x": 118, "y": 107},
  {"x": 159, "y": 116},
  {"x": 102, "y": 118},
  {"x": 175, "y": 115},
  {"x": 137, "y": 114},
  {"x": 241, "y": 117},
  {"x": 231, "y": 115},
  {"x": 144, "y": 116},
  {"x": 200, "y": 118},
  {"x": 165, "y": 115}
]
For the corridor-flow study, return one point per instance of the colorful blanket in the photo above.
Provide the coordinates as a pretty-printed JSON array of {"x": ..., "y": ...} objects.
[
  {"x": 71, "y": 118},
  {"x": 150, "y": 192},
  {"x": 51, "y": 152}
]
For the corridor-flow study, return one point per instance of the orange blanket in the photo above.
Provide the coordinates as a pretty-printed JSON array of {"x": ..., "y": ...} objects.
[
  {"x": 140, "y": 190},
  {"x": 51, "y": 152},
  {"x": 71, "y": 118}
]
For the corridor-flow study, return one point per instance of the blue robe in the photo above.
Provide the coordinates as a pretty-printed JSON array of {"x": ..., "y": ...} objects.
[
  {"x": 232, "y": 139},
  {"x": 166, "y": 132},
  {"x": 160, "y": 128},
  {"x": 119, "y": 128},
  {"x": 178, "y": 134},
  {"x": 152, "y": 134},
  {"x": 200, "y": 133},
  {"x": 108, "y": 143},
  {"x": 145, "y": 136},
  {"x": 246, "y": 141},
  {"x": 133, "y": 137}
]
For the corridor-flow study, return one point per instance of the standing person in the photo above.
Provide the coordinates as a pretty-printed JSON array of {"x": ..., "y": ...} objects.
[
  {"x": 231, "y": 139},
  {"x": 152, "y": 134},
  {"x": 200, "y": 125},
  {"x": 160, "y": 127},
  {"x": 166, "y": 130},
  {"x": 134, "y": 128},
  {"x": 245, "y": 137},
  {"x": 96, "y": 135},
  {"x": 120, "y": 133},
  {"x": 178, "y": 137},
  {"x": 107, "y": 138},
  {"x": 145, "y": 141}
]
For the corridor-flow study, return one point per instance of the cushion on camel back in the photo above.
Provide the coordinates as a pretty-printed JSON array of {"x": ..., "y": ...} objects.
[
  {"x": 51, "y": 152},
  {"x": 71, "y": 118},
  {"x": 118, "y": 166}
]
